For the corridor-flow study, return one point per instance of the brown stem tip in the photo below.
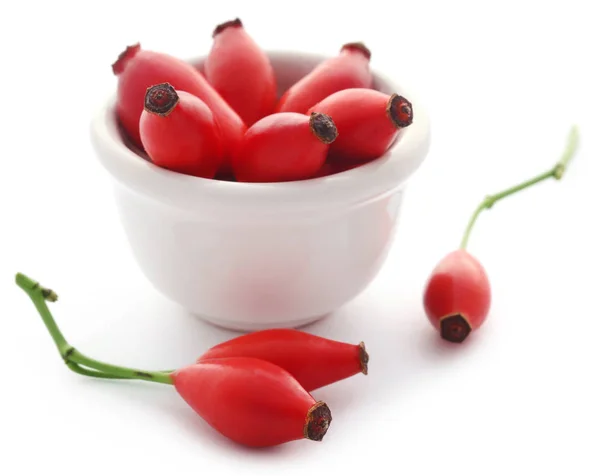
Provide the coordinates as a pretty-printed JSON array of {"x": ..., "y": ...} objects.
[
  {"x": 364, "y": 358},
  {"x": 358, "y": 46},
  {"x": 237, "y": 23},
  {"x": 400, "y": 111},
  {"x": 119, "y": 66},
  {"x": 455, "y": 328},
  {"x": 317, "y": 422},
  {"x": 161, "y": 99},
  {"x": 323, "y": 127}
]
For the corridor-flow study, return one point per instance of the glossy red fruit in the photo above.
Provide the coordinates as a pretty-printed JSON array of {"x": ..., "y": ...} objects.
[
  {"x": 350, "y": 69},
  {"x": 139, "y": 69},
  {"x": 457, "y": 296},
  {"x": 241, "y": 72},
  {"x": 253, "y": 402},
  {"x": 179, "y": 133},
  {"x": 368, "y": 122},
  {"x": 283, "y": 147},
  {"x": 312, "y": 360}
]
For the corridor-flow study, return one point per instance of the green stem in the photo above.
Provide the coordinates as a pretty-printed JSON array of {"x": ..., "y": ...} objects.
[
  {"x": 74, "y": 359},
  {"x": 92, "y": 373},
  {"x": 555, "y": 172}
]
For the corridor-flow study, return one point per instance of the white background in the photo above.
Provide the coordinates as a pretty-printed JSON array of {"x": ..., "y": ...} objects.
[{"x": 503, "y": 82}]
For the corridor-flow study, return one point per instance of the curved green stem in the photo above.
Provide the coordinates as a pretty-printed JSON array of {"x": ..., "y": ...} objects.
[
  {"x": 91, "y": 373},
  {"x": 555, "y": 172},
  {"x": 75, "y": 360}
]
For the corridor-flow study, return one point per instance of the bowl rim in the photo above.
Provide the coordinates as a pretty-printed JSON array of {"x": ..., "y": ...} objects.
[{"x": 364, "y": 183}]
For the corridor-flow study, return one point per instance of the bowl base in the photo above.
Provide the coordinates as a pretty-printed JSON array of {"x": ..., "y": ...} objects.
[{"x": 250, "y": 327}]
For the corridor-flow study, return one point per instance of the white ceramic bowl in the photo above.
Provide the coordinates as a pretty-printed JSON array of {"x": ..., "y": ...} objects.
[{"x": 251, "y": 256}]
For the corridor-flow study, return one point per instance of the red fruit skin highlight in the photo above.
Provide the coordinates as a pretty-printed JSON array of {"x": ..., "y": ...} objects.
[
  {"x": 284, "y": 147},
  {"x": 312, "y": 360},
  {"x": 253, "y": 402},
  {"x": 368, "y": 123},
  {"x": 458, "y": 285},
  {"x": 241, "y": 72},
  {"x": 186, "y": 139},
  {"x": 350, "y": 69},
  {"x": 139, "y": 69}
]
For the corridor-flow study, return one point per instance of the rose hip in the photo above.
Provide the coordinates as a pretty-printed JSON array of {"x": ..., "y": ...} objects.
[
  {"x": 312, "y": 360},
  {"x": 241, "y": 72},
  {"x": 253, "y": 402},
  {"x": 350, "y": 69},
  {"x": 283, "y": 147},
  {"x": 139, "y": 69},
  {"x": 179, "y": 132},
  {"x": 457, "y": 294},
  {"x": 368, "y": 122}
]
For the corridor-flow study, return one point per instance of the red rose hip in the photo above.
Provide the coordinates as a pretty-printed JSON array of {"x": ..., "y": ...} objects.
[
  {"x": 312, "y": 360},
  {"x": 457, "y": 296},
  {"x": 253, "y": 402},
  {"x": 179, "y": 133},
  {"x": 284, "y": 147},
  {"x": 350, "y": 69},
  {"x": 139, "y": 69},
  {"x": 241, "y": 72},
  {"x": 368, "y": 122}
]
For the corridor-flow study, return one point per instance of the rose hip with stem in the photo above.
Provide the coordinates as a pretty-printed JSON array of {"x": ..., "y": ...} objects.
[
  {"x": 253, "y": 402},
  {"x": 350, "y": 69},
  {"x": 368, "y": 122},
  {"x": 241, "y": 72},
  {"x": 283, "y": 147},
  {"x": 179, "y": 132},
  {"x": 457, "y": 295},
  {"x": 312, "y": 360}
]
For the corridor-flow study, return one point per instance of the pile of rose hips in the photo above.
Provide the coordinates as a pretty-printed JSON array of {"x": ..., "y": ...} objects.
[
  {"x": 253, "y": 389},
  {"x": 226, "y": 121}
]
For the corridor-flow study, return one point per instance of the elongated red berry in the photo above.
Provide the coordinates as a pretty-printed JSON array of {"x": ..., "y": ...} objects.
[
  {"x": 312, "y": 360},
  {"x": 139, "y": 69},
  {"x": 368, "y": 122},
  {"x": 457, "y": 296},
  {"x": 253, "y": 402},
  {"x": 179, "y": 132},
  {"x": 241, "y": 72},
  {"x": 350, "y": 69},
  {"x": 284, "y": 147}
]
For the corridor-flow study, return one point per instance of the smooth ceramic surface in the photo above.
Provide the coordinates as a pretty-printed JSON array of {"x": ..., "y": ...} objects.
[{"x": 254, "y": 256}]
